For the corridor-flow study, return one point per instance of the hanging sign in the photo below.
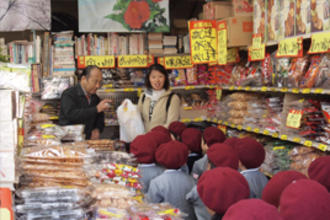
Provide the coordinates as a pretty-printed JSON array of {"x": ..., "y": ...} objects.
[
  {"x": 320, "y": 43},
  {"x": 293, "y": 119},
  {"x": 290, "y": 47},
  {"x": 100, "y": 61},
  {"x": 232, "y": 55},
  {"x": 222, "y": 42},
  {"x": 256, "y": 52},
  {"x": 177, "y": 62},
  {"x": 203, "y": 41},
  {"x": 133, "y": 61}
]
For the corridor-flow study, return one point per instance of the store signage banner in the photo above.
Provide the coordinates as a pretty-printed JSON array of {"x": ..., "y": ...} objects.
[
  {"x": 124, "y": 16},
  {"x": 203, "y": 41},
  {"x": 20, "y": 15}
]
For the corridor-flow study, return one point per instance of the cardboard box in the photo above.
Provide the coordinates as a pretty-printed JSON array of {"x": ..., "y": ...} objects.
[
  {"x": 320, "y": 15},
  {"x": 259, "y": 18},
  {"x": 243, "y": 7},
  {"x": 7, "y": 105},
  {"x": 8, "y": 135},
  {"x": 240, "y": 30},
  {"x": 217, "y": 10}
]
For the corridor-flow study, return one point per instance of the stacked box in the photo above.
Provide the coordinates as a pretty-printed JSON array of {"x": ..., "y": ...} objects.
[
  {"x": 243, "y": 7},
  {"x": 217, "y": 10},
  {"x": 8, "y": 137}
]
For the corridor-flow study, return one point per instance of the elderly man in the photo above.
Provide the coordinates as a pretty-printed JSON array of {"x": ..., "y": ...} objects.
[{"x": 81, "y": 105}]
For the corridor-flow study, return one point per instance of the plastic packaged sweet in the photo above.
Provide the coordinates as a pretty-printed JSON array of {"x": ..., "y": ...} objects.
[
  {"x": 155, "y": 211},
  {"x": 323, "y": 79},
  {"x": 56, "y": 152},
  {"x": 38, "y": 194},
  {"x": 297, "y": 71},
  {"x": 75, "y": 214},
  {"x": 301, "y": 157},
  {"x": 238, "y": 105},
  {"x": 312, "y": 74},
  {"x": 282, "y": 71},
  {"x": 113, "y": 156},
  {"x": 110, "y": 213},
  {"x": 36, "y": 182},
  {"x": 54, "y": 87},
  {"x": 38, "y": 206},
  {"x": 267, "y": 70}
]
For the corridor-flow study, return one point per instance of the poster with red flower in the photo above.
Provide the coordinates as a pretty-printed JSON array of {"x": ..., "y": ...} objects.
[{"x": 124, "y": 16}]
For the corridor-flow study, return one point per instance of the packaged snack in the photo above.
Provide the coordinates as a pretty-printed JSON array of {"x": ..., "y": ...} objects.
[
  {"x": 312, "y": 73},
  {"x": 320, "y": 15},
  {"x": 259, "y": 17},
  {"x": 54, "y": 87},
  {"x": 303, "y": 25},
  {"x": 287, "y": 11},
  {"x": 297, "y": 71}
]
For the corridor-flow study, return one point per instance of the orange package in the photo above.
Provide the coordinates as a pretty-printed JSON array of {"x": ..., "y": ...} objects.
[{"x": 6, "y": 211}]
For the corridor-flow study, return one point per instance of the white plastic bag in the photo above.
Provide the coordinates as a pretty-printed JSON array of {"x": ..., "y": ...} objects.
[{"x": 129, "y": 120}]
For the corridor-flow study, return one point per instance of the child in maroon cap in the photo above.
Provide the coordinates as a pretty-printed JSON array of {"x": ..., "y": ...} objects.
[
  {"x": 251, "y": 155},
  {"x": 176, "y": 128},
  {"x": 319, "y": 170},
  {"x": 211, "y": 135},
  {"x": 252, "y": 209},
  {"x": 192, "y": 138},
  {"x": 221, "y": 187},
  {"x": 173, "y": 184},
  {"x": 144, "y": 148},
  {"x": 305, "y": 199},
  {"x": 219, "y": 155}
]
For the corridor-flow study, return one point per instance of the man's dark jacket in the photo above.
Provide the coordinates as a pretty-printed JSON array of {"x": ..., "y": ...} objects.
[{"x": 76, "y": 110}]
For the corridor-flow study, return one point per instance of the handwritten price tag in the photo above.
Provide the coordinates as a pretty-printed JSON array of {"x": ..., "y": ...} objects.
[
  {"x": 320, "y": 43},
  {"x": 222, "y": 42},
  {"x": 257, "y": 54},
  {"x": 100, "y": 61},
  {"x": 256, "y": 41},
  {"x": 293, "y": 119},
  {"x": 133, "y": 61},
  {"x": 203, "y": 41},
  {"x": 290, "y": 47},
  {"x": 177, "y": 62},
  {"x": 218, "y": 93}
]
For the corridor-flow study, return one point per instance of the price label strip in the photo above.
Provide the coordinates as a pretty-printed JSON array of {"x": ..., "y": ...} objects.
[
  {"x": 100, "y": 61},
  {"x": 293, "y": 119},
  {"x": 133, "y": 61},
  {"x": 290, "y": 47},
  {"x": 320, "y": 43},
  {"x": 177, "y": 62},
  {"x": 203, "y": 41}
]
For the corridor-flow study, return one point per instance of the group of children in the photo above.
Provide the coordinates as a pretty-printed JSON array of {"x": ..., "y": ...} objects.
[{"x": 208, "y": 176}]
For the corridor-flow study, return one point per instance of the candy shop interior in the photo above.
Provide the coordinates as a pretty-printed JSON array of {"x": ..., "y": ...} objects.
[{"x": 247, "y": 103}]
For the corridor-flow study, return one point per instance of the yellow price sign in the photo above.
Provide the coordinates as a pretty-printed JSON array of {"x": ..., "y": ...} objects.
[
  {"x": 318, "y": 91},
  {"x": 233, "y": 125},
  {"x": 203, "y": 41},
  {"x": 322, "y": 147},
  {"x": 275, "y": 135},
  {"x": 265, "y": 132},
  {"x": 293, "y": 119},
  {"x": 296, "y": 139},
  {"x": 177, "y": 62},
  {"x": 256, "y": 130},
  {"x": 248, "y": 128},
  {"x": 290, "y": 47},
  {"x": 133, "y": 61},
  {"x": 295, "y": 90},
  {"x": 284, "y": 89},
  {"x": 264, "y": 89},
  {"x": 256, "y": 41},
  {"x": 100, "y": 61},
  {"x": 257, "y": 54},
  {"x": 232, "y": 88},
  {"x": 226, "y": 123},
  {"x": 239, "y": 127},
  {"x": 308, "y": 143},
  {"x": 248, "y": 88},
  {"x": 306, "y": 91},
  {"x": 222, "y": 42},
  {"x": 218, "y": 92},
  {"x": 232, "y": 55},
  {"x": 320, "y": 43},
  {"x": 284, "y": 137},
  {"x": 53, "y": 117},
  {"x": 47, "y": 126}
]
